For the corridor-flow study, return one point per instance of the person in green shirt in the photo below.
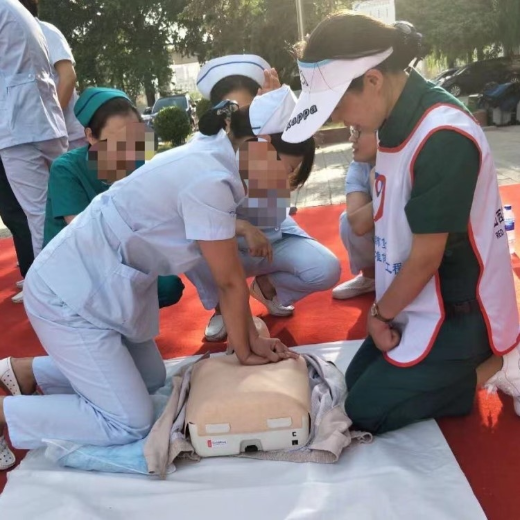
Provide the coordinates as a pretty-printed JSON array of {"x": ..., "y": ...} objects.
[
  {"x": 78, "y": 176},
  {"x": 445, "y": 319}
]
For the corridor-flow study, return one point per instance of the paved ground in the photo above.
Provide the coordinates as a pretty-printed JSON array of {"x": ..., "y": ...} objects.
[{"x": 327, "y": 183}]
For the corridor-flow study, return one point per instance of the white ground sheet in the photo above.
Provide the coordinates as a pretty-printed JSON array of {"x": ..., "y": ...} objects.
[{"x": 404, "y": 475}]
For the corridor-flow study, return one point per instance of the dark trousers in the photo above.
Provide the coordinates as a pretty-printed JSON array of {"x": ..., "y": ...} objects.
[
  {"x": 383, "y": 397},
  {"x": 14, "y": 218}
]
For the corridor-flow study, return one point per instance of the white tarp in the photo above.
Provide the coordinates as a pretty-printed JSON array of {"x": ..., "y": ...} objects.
[{"x": 404, "y": 475}]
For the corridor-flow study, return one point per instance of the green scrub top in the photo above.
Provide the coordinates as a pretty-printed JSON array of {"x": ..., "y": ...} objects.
[
  {"x": 72, "y": 186},
  {"x": 445, "y": 178}
]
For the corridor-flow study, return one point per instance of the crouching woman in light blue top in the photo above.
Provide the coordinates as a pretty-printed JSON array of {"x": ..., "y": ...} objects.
[
  {"x": 356, "y": 224},
  {"x": 91, "y": 295}
]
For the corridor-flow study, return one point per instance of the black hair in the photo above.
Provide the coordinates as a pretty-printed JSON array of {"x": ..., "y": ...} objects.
[
  {"x": 350, "y": 35},
  {"x": 222, "y": 88},
  {"x": 306, "y": 149},
  {"x": 215, "y": 120},
  {"x": 32, "y": 6},
  {"x": 115, "y": 107}
]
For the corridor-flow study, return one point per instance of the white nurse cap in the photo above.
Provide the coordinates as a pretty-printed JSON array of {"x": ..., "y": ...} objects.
[
  {"x": 247, "y": 65},
  {"x": 270, "y": 113}
]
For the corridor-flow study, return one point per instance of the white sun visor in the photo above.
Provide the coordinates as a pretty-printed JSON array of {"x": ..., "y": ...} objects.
[{"x": 323, "y": 85}]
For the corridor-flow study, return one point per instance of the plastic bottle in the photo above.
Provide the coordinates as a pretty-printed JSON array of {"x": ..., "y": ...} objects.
[{"x": 509, "y": 221}]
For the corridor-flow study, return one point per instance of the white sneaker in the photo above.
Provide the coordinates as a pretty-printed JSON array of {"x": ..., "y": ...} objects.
[
  {"x": 7, "y": 458},
  {"x": 216, "y": 329},
  {"x": 19, "y": 284},
  {"x": 273, "y": 306},
  {"x": 508, "y": 379},
  {"x": 18, "y": 298},
  {"x": 359, "y": 285},
  {"x": 7, "y": 378}
]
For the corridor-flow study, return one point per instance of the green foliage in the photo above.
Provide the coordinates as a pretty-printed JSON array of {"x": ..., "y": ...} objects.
[
  {"x": 264, "y": 27},
  {"x": 203, "y": 105},
  {"x": 119, "y": 43},
  {"x": 461, "y": 29},
  {"x": 172, "y": 124},
  {"x": 128, "y": 43},
  {"x": 507, "y": 23}
]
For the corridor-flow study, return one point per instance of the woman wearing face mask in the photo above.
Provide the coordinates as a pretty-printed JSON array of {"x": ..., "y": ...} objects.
[
  {"x": 91, "y": 295},
  {"x": 356, "y": 225},
  {"x": 111, "y": 122},
  {"x": 445, "y": 319},
  {"x": 287, "y": 263}
]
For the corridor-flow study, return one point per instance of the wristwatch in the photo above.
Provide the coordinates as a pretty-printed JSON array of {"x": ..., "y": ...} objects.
[{"x": 374, "y": 312}]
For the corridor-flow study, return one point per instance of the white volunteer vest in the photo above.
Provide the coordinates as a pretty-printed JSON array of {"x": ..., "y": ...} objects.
[{"x": 421, "y": 320}]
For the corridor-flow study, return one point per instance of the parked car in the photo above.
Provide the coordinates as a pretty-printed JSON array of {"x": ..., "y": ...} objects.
[
  {"x": 475, "y": 77},
  {"x": 444, "y": 75},
  {"x": 182, "y": 101}
]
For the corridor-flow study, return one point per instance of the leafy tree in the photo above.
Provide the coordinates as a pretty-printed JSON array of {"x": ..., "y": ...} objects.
[
  {"x": 508, "y": 23},
  {"x": 120, "y": 43},
  {"x": 172, "y": 124},
  {"x": 264, "y": 27},
  {"x": 453, "y": 28}
]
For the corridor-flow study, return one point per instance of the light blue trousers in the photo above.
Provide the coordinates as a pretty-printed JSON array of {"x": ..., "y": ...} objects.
[
  {"x": 360, "y": 248},
  {"x": 96, "y": 382},
  {"x": 300, "y": 266}
]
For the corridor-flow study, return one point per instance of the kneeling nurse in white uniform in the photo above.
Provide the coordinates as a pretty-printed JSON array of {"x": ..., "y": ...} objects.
[{"x": 91, "y": 295}]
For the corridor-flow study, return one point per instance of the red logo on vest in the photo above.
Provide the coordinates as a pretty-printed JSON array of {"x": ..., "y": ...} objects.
[{"x": 379, "y": 199}]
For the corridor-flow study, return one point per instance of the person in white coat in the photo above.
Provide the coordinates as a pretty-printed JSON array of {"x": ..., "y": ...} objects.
[
  {"x": 64, "y": 75},
  {"x": 32, "y": 127},
  {"x": 91, "y": 295},
  {"x": 287, "y": 263}
]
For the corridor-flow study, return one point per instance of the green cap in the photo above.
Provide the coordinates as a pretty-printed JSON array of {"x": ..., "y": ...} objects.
[{"x": 92, "y": 99}]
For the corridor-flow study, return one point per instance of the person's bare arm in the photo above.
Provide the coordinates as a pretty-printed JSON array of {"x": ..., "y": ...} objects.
[
  {"x": 240, "y": 227},
  {"x": 257, "y": 242},
  {"x": 226, "y": 268},
  {"x": 69, "y": 218},
  {"x": 360, "y": 212},
  {"x": 66, "y": 83}
]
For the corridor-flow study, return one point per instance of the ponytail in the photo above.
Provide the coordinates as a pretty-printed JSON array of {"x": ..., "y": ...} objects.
[
  {"x": 408, "y": 45},
  {"x": 216, "y": 119}
]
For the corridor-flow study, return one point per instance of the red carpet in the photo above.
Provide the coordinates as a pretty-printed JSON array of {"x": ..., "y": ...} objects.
[{"x": 485, "y": 443}]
